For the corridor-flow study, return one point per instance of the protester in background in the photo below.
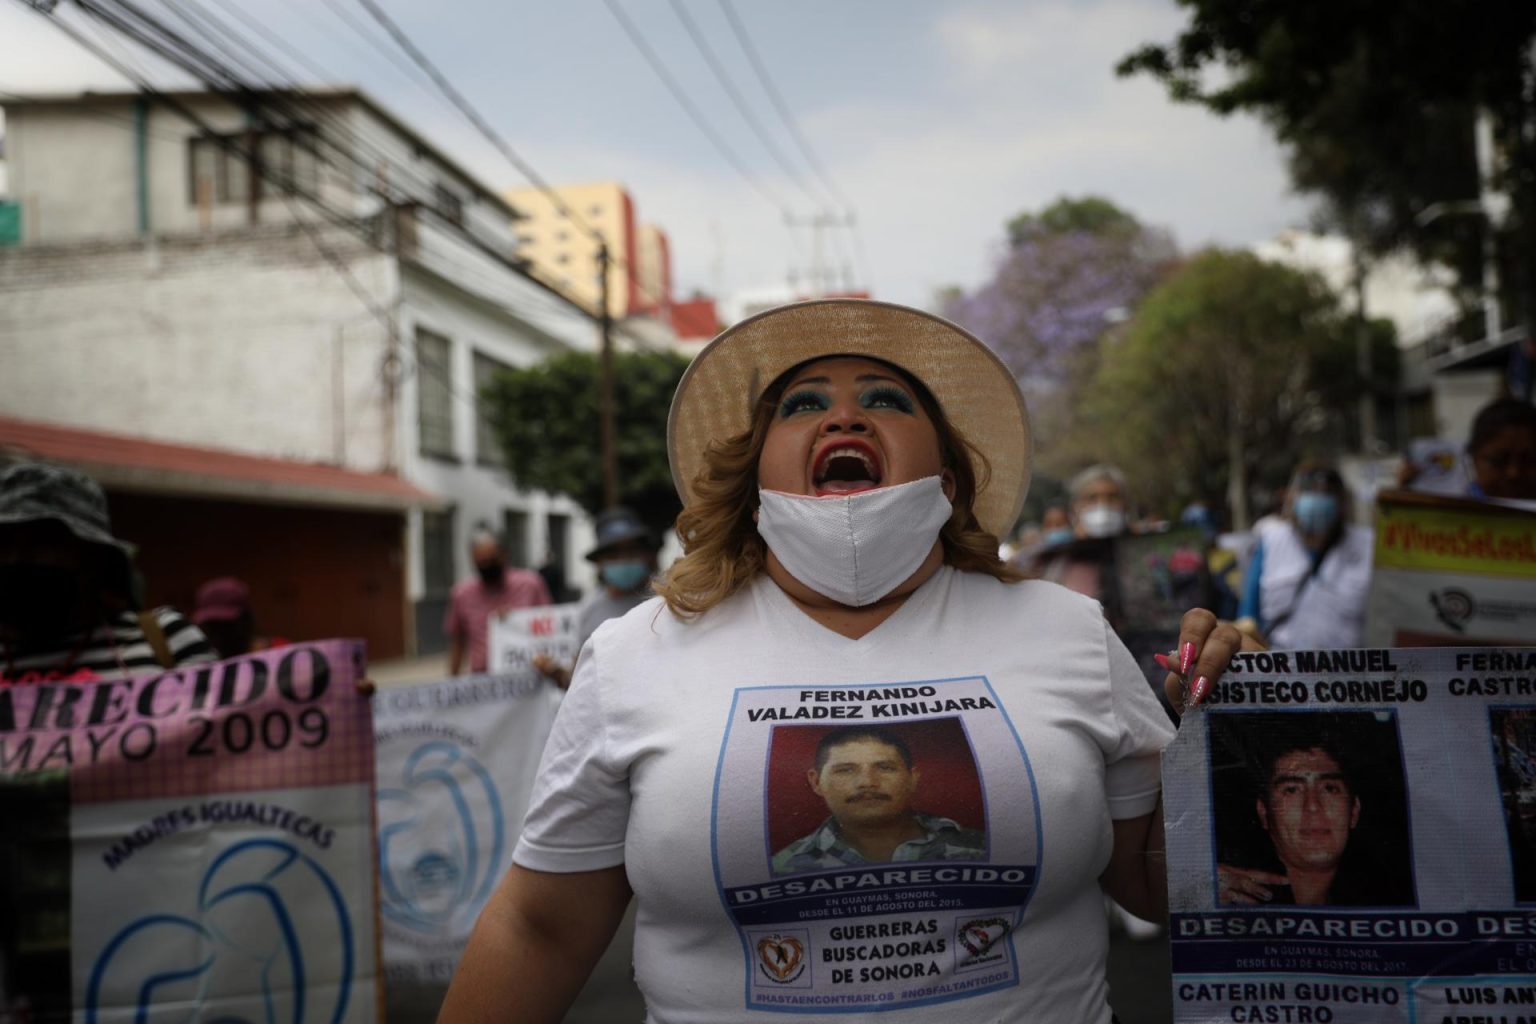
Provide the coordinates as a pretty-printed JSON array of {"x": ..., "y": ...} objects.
[
  {"x": 1502, "y": 450},
  {"x": 495, "y": 589},
  {"x": 626, "y": 560},
  {"x": 1055, "y": 526},
  {"x": 1100, "y": 507},
  {"x": 68, "y": 608},
  {"x": 223, "y": 612},
  {"x": 1311, "y": 569}
]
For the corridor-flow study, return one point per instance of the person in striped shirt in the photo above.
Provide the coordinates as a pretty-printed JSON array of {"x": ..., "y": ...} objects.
[{"x": 68, "y": 611}]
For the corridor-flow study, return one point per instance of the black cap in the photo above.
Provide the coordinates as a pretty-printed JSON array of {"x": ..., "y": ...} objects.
[{"x": 618, "y": 525}]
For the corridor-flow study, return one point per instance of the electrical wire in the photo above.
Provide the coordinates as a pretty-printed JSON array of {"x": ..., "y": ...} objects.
[
  {"x": 660, "y": 68},
  {"x": 484, "y": 127},
  {"x": 738, "y": 101},
  {"x": 744, "y": 40}
]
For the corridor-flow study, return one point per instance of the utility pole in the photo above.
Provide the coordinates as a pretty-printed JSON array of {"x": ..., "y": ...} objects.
[
  {"x": 817, "y": 223},
  {"x": 1363, "y": 351},
  {"x": 605, "y": 384}
]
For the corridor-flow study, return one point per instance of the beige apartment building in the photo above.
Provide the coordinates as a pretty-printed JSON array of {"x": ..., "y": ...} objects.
[{"x": 565, "y": 254}]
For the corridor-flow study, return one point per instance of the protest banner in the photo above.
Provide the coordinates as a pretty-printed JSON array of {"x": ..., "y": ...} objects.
[
  {"x": 456, "y": 762},
  {"x": 518, "y": 636},
  {"x": 192, "y": 843},
  {"x": 1352, "y": 837},
  {"x": 1450, "y": 571}
]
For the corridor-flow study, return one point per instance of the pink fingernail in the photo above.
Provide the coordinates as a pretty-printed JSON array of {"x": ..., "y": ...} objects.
[
  {"x": 1163, "y": 662},
  {"x": 1198, "y": 690},
  {"x": 1186, "y": 658}
]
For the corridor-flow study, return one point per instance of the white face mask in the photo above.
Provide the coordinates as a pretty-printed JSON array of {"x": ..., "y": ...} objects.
[
  {"x": 1102, "y": 521},
  {"x": 858, "y": 548}
]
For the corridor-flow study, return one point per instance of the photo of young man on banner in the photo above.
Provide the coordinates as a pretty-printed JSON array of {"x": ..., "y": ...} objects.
[{"x": 1310, "y": 809}]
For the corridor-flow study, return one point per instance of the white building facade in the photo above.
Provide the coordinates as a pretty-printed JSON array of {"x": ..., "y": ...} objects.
[{"x": 162, "y": 293}]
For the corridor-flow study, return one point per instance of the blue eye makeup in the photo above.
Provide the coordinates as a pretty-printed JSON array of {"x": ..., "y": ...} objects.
[
  {"x": 885, "y": 396},
  {"x": 802, "y": 401}
]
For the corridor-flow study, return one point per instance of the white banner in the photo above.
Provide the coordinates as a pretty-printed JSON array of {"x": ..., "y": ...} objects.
[
  {"x": 456, "y": 762},
  {"x": 190, "y": 844},
  {"x": 1352, "y": 837}
]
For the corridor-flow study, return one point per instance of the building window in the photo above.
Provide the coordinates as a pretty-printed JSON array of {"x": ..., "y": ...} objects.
[
  {"x": 487, "y": 445},
  {"x": 434, "y": 394},
  {"x": 595, "y": 210},
  {"x": 514, "y": 536},
  {"x": 562, "y": 236},
  {"x": 437, "y": 552},
  {"x": 557, "y": 540},
  {"x": 220, "y": 165},
  {"x": 448, "y": 203},
  {"x": 563, "y": 257}
]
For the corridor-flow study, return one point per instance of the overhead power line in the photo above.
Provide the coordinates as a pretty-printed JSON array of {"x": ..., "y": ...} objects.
[
  {"x": 745, "y": 40},
  {"x": 660, "y": 68},
  {"x": 495, "y": 138},
  {"x": 738, "y": 101}
]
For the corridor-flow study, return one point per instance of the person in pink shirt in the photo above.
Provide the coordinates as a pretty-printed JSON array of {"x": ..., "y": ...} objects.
[{"x": 494, "y": 589}]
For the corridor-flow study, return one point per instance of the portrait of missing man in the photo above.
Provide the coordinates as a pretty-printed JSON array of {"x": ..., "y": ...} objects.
[
  {"x": 1311, "y": 809},
  {"x": 873, "y": 794},
  {"x": 1514, "y": 755}
]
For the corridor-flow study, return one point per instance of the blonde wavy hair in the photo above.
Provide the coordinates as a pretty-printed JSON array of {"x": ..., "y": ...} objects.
[{"x": 722, "y": 550}]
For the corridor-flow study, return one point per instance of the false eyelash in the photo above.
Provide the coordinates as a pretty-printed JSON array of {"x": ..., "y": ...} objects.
[
  {"x": 794, "y": 402},
  {"x": 899, "y": 398}
]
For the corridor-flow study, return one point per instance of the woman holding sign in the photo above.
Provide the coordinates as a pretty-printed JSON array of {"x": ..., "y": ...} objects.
[{"x": 848, "y": 760}]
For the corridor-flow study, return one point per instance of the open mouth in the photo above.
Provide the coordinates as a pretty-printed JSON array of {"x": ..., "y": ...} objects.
[{"x": 846, "y": 469}]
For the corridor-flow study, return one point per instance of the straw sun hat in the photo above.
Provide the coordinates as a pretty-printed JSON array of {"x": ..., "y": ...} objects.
[{"x": 715, "y": 398}]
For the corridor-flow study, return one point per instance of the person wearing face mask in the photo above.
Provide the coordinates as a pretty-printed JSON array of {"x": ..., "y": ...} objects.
[
  {"x": 494, "y": 589},
  {"x": 1098, "y": 502},
  {"x": 68, "y": 609},
  {"x": 846, "y": 468},
  {"x": 626, "y": 560},
  {"x": 1310, "y": 571}
]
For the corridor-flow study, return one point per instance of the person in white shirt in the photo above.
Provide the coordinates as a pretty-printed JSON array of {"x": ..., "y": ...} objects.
[{"x": 846, "y": 468}]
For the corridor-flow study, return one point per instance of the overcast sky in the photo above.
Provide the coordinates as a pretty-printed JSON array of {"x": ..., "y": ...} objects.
[{"x": 938, "y": 120}]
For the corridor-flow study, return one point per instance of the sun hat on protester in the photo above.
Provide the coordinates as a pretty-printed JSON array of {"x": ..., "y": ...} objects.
[
  {"x": 979, "y": 396},
  {"x": 32, "y": 492}
]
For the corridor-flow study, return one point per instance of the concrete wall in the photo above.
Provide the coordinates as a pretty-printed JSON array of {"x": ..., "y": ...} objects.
[
  {"x": 74, "y": 167},
  {"x": 250, "y": 343}
]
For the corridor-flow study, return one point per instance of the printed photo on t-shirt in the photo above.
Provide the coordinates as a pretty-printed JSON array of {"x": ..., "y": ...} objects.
[{"x": 843, "y": 796}]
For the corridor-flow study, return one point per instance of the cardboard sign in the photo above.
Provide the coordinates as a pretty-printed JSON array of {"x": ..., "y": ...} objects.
[
  {"x": 1352, "y": 837},
  {"x": 523, "y": 633},
  {"x": 1452, "y": 572},
  {"x": 192, "y": 843}
]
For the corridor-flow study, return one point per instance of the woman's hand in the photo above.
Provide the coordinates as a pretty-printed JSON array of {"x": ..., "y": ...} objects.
[
  {"x": 1246, "y": 885},
  {"x": 1206, "y": 646},
  {"x": 552, "y": 670}
]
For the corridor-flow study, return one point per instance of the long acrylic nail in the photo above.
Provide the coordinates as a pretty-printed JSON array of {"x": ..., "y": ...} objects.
[
  {"x": 1186, "y": 658},
  {"x": 1163, "y": 662},
  {"x": 1198, "y": 690}
]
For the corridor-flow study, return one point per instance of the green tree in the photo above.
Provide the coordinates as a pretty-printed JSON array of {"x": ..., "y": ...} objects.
[
  {"x": 1231, "y": 370},
  {"x": 1089, "y": 215},
  {"x": 1374, "y": 101},
  {"x": 546, "y": 417}
]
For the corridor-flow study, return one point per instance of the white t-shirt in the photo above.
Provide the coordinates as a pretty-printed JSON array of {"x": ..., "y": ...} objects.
[
  {"x": 1325, "y": 608},
  {"x": 682, "y": 752}
]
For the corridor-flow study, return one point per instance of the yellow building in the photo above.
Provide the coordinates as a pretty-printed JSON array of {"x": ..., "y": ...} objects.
[{"x": 564, "y": 253}]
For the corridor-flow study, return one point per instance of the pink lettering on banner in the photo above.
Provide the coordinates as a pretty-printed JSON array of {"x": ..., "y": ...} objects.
[{"x": 285, "y": 718}]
